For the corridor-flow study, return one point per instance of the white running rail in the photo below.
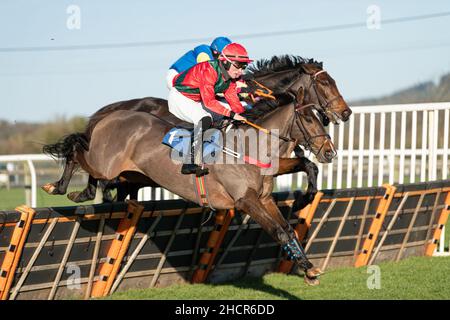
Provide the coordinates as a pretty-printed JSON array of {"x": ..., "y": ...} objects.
[{"x": 404, "y": 143}]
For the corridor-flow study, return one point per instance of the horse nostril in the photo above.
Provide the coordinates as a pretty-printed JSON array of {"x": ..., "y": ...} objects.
[{"x": 346, "y": 114}]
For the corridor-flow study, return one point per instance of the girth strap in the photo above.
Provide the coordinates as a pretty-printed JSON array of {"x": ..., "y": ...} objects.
[{"x": 201, "y": 191}]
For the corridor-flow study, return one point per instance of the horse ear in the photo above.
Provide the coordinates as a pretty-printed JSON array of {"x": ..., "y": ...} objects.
[{"x": 300, "y": 95}]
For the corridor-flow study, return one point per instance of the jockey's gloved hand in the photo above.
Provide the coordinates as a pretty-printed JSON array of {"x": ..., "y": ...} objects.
[{"x": 238, "y": 117}]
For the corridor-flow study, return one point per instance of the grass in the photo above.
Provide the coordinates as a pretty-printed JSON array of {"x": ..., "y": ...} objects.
[
  {"x": 412, "y": 278},
  {"x": 9, "y": 199}
]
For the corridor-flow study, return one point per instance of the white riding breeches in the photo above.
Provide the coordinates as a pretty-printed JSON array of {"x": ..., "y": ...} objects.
[{"x": 186, "y": 109}]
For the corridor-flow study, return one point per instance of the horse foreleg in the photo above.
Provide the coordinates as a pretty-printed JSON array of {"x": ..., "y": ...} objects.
[
  {"x": 302, "y": 164},
  {"x": 272, "y": 208},
  {"x": 287, "y": 166},
  {"x": 87, "y": 194},
  {"x": 133, "y": 189},
  {"x": 60, "y": 186},
  {"x": 126, "y": 188},
  {"x": 312, "y": 171},
  {"x": 280, "y": 232}
]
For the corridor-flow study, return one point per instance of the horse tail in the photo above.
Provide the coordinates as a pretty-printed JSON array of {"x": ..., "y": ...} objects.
[{"x": 65, "y": 148}]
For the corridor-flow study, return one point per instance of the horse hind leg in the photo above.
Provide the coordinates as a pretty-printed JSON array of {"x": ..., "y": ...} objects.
[
  {"x": 87, "y": 194},
  {"x": 282, "y": 233},
  {"x": 60, "y": 186},
  {"x": 124, "y": 188},
  {"x": 106, "y": 186}
]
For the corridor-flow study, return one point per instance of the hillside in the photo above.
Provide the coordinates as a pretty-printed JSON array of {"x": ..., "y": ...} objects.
[
  {"x": 24, "y": 137},
  {"x": 424, "y": 92}
]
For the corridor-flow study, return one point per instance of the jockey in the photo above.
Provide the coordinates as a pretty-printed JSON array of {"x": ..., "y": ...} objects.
[
  {"x": 199, "y": 54},
  {"x": 193, "y": 97}
]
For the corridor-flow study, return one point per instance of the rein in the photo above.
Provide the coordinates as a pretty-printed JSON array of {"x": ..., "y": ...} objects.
[{"x": 268, "y": 132}]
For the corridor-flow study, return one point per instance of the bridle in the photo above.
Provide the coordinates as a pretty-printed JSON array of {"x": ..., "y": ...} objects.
[
  {"x": 320, "y": 98},
  {"x": 322, "y": 101},
  {"x": 308, "y": 138}
]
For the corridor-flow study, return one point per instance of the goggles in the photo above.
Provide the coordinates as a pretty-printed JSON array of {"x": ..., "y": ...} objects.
[{"x": 239, "y": 65}]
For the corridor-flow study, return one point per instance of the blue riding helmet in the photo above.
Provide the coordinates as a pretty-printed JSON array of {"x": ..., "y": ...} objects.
[{"x": 219, "y": 43}]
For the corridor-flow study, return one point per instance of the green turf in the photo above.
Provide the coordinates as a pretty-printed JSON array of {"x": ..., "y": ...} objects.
[
  {"x": 9, "y": 199},
  {"x": 413, "y": 278}
]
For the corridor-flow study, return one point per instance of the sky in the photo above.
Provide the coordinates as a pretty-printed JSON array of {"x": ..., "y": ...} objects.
[{"x": 66, "y": 58}]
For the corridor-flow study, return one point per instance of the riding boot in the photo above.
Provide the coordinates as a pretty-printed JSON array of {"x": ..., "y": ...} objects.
[{"x": 196, "y": 153}]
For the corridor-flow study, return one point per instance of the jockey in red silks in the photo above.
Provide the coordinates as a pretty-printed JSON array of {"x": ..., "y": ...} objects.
[{"x": 193, "y": 97}]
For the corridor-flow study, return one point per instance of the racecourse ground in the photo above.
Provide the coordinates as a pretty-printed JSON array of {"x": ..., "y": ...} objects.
[{"x": 412, "y": 278}]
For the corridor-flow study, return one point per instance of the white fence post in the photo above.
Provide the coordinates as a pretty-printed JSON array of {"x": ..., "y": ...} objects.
[{"x": 33, "y": 183}]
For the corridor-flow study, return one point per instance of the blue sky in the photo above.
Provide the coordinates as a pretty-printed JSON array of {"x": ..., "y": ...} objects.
[{"x": 38, "y": 85}]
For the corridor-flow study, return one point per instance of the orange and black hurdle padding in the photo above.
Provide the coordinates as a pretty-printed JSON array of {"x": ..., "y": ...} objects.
[
  {"x": 305, "y": 218},
  {"x": 443, "y": 217},
  {"x": 223, "y": 219},
  {"x": 375, "y": 227},
  {"x": 116, "y": 252},
  {"x": 15, "y": 248}
]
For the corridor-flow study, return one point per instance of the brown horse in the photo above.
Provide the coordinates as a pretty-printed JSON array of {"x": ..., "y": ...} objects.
[
  {"x": 138, "y": 149},
  {"x": 312, "y": 137},
  {"x": 285, "y": 74}
]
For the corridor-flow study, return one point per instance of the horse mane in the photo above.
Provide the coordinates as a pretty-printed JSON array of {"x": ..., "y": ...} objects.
[{"x": 285, "y": 62}]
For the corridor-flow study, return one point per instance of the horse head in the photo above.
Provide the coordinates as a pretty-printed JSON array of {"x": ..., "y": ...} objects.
[
  {"x": 297, "y": 121},
  {"x": 329, "y": 99},
  {"x": 309, "y": 131},
  {"x": 287, "y": 74}
]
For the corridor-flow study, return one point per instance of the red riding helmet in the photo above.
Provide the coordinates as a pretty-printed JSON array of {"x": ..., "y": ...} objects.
[{"x": 234, "y": 52}]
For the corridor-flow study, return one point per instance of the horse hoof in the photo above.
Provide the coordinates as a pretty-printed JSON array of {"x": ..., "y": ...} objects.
[
  {"x": 49, "y": 188},
  {"x": 313, "y": 272},
  {"x": 311, "y": 281},
  {"x": 74, "y": 196}
]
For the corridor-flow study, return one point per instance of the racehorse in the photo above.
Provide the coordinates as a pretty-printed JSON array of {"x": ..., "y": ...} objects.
[
  {"x": 138, "y": 149},
  {"x": 285, "y": 75}
]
